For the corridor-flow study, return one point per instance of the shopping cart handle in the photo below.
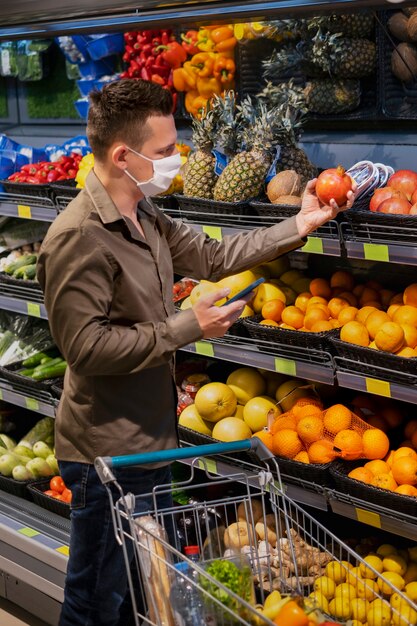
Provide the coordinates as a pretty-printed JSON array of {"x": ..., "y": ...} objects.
[{"x": 177, "y": 454}]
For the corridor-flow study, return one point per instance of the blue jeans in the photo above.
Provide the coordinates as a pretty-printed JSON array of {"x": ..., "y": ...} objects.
[{"x": 96, "y": 586}]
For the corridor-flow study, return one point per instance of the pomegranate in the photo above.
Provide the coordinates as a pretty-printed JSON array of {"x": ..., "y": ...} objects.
[
  {"x": 334, "y": 184},
  {"x": 395, "y": 206},
  {"x": 381, "y": 194},
  {"x": 405, "y": 181}
]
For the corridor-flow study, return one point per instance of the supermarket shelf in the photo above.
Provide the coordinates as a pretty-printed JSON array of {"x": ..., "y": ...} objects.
[
  {"x": 25, "y": 211},
  {"x": 381, "y": 252},
  {"x": 376, "y": 386},
  {"x": 17, "y": 305},
  {"x": 26, "y": 401},
  {"x": 379, "y": 242},
  {"x": 311, "y": 365}
]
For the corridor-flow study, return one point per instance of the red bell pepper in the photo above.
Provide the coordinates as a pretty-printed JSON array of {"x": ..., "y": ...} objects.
[
  {"x": 174, "y": 54},
  {"x": 158, "y": 79},
  {"x": 189, "y": 42}
]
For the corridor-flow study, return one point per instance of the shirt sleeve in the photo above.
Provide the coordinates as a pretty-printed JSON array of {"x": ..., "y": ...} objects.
[
  {"x": 76, "y": 275},
  {"x": 199, "y": 256}
]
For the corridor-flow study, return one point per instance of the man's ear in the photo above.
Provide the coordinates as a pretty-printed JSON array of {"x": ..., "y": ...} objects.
[{"x": 118, "y": 156}]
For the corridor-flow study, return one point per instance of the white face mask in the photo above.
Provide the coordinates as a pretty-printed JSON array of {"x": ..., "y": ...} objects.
[{"x": 164, "y": 172}]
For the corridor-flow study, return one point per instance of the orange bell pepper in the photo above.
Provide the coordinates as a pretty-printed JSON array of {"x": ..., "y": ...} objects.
[
  {"x": 203, "y": 64},
  {"x": 224, "y": 69},
  {"x": 222, "y": 33},
  {"x": 184, "y": 80},
  {"x": 208, "y": 87},
  {"x": 226, "y": 44},
  {"x": 195, "y": 104}
]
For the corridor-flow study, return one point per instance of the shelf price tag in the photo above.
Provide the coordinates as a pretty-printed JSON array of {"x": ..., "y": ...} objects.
[
  {"x": 314, "y": 245},
  {"x": 33, "y": 309},
  {"x": 24, "y": 211},
  {"x": 63, "y": 550},
  {"x": 285, "y": 366},
  {"x": 367, "y": 517},
  {"x": 204, "y": 348},
  {"x": 28, "y": 532},
  {"x": 1, "y": 394},
  {"x": 378, "y": 387},
  {"x": 376, "y": 252},
  {"x": 32, "y": 404},
  {"x": 208, "y": 464},
  {"x": 215, "y": 232}
]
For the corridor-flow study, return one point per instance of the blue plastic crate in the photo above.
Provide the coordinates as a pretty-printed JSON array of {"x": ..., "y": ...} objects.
[
  {"x": 95, "y": 69},
  {"x": 105, "y": 45},
  {"x": 85, "y": 85},
  {"x": 82, "y": 107},
  {"x": 82, "y": 41}
]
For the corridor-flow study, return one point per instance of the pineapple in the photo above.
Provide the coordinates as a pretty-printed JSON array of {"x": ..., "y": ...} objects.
[
  {"x": 199, "y": 175},
  {"x": 228, "y": 133},
  {"x": 283, "y": 31},
  {"x": 355, "y": 25},
  {"x": 343, "y": 57},
  {"x": 332, "y": 96}
]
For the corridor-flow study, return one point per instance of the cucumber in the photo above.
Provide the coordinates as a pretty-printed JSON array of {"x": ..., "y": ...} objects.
[
  {"x": 26, "y": 372},
  {"x": 29, "y": 272},
  {"x": 35, "y": 359},
  {"x": 56, "y": 361},
  {"x": 46, "y": 360},
  {"x": 54, "y": 371},
  {"x": 26, "y": 259}
]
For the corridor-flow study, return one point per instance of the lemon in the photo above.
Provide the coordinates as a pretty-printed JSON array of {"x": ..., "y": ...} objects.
[
  {"x": 336, "y": 572},
  {"x": 346, "y": 565},
  {"x": 386, "y": 549},
  {"x": 354, "y": 575},
  {"x": 355, "y": 622},
  {"x": 396, "y": 581},
  {"x": 320, "y": 601},
  {"x": 379, "y": 614},
  {"x": 340, "y": 608},
  {"x": 395, "y": 600},
  {"x": 411, "y": 574},
  {"x": 375, "y": 562},
  {"x": 359, "y": 608},
  {"x": 326, "y": 586},
  {"x": 404, "y": 615},
  {"x": 395, "y": 563},
  {"x": 345, "y": 590},
  {"x": 367, "y": 589},
  {"x": 411, "y": 591}
]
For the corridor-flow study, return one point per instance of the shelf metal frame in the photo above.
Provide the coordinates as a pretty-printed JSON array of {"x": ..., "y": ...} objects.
[{"x": 45, "y": 407}]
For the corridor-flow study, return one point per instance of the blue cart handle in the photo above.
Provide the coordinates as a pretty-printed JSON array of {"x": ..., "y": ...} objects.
[{"x": 104, "y": 464}]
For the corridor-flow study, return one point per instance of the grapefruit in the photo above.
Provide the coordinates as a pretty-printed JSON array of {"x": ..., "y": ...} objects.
[{"x": 215, "y": 401}]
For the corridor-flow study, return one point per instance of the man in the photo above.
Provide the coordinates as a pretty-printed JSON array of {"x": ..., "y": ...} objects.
[{"x": 106, "y": 268}]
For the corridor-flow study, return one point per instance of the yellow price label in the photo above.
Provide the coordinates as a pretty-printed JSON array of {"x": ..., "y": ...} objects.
[
  {"x": 208, "y": 464},
  {"x": 204, "y": 348},
  {"x": 34, "y": 309},
  {"x": 1, "y": 394},
  {"x": 376, "y": 252},
  {"x": 32, "y": 404},
  {"x": 28, "y": 532},
  {"x": 368, "y": 517},
  {"x": 314, "y": 245},
  {"x": 378, "y": 387},
  {"x": 63, "y": 550},
  {"x": 215, "y": 232},
  {"x": 24, "y": 211},
  {"x": 285, "y": 366}
]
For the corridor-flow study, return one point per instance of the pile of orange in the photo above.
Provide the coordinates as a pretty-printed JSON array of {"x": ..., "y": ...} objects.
[
  {"x": 367, "y": 314},
  {"x": 397, "y": 472},
  {"x": 310, "y": 434}
]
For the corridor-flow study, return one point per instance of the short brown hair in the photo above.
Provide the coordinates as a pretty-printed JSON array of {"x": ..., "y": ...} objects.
[{"x": 120, "y": 111}]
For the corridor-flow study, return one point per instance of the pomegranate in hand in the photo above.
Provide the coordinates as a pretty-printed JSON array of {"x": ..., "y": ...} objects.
[{"x": 334, "y": 184}]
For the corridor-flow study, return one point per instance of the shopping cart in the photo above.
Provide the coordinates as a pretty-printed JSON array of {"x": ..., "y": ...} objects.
[{"x": 269, "y": 541}]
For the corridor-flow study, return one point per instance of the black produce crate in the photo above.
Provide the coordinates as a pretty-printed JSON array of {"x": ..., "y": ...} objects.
[
  {"x": 363, "y": 360},
  {"x": 11, "y": 374},
  {"x": 57, "y": 388},
  {"x": 16, "y": 487},
  {"x": 168, "y": 204},
  {"x": 368, "y": 493},
  {"x": 238, "y": 329},
  {"x": 366, "y": 225},
  {"x": 28, "y": 290},
  {"x": 64, "y": 192},
  {"x": 398, "y": 100},
  {"x": 40, "y": 191},
  {"x": 274, "y": 334},
  {"x": 272, "y": 213},
  {"x": 37, "y": 490},
  {"x": 199, "y": 209}
]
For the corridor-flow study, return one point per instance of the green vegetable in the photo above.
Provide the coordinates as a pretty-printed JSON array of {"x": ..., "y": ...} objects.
[
  {"x": 7, "y": 442},
  {"x": 237, "y": 579},
  {"x": 38, "y": 467},
  {"x": 20, "y": 472},
  {"x": 46, "y": 360},
  {"x": 53, "y": 464},
  {"x": 25, "y": 259},
  {"x": 23, "y": 451},
  {"x": 41, "y": 449},
  {"x": 6, "y": 341},
  {"x": 56, "y": 370},
  {"x": 40, "y": 432},
  {"x": 8, "y": 462},
  {"x": 27, "y": 372},
  {"x": 36, "y": 359}
]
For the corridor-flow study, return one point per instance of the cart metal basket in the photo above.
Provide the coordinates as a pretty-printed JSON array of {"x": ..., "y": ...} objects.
[{"x": 274, "y": 542}]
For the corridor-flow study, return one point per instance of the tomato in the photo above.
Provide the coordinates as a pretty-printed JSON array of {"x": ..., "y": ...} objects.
[
  {"x": 381, "y": 194},
  {"x": 405, "y": 181},
  {"x": 59, "y": 497},
  {"x": 67, "y": 495},
  {"x": 291, "y": 614},
  {"x": 395, "y": 206},
  {"x": 57, "y": 484},
  {"x": 333, "y": 184},
  {"x": 50, "y": 492}
]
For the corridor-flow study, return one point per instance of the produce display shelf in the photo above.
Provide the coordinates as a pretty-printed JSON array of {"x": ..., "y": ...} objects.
[
  {"x": 27, "y": 207},
  {"x": 44, "y": 406},
  {"x": 17, "y": 305},
  {"x": 290, "y": 360},
  {"x": 377, "y": 386},
  {"x": 378, "y": 250}
]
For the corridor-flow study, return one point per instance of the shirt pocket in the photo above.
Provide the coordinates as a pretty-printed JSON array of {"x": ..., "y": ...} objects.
[{"x": 75, "y": 477}]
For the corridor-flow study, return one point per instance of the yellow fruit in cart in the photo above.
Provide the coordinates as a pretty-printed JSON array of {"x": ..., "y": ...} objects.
[
  {"x": 377, "y": 467},
  {"x": 375, "y": 562},
  {"x": 354, "y": 576},
  {"x": 336, "y": 571},
  {"x": 286, "y": 443},
  {"x": 203, "y": 289},
  {"x": 265, "y": 292},
  {"x": 410, "y": 295},
  {"x": 345, "y": 590},
  {"x": 320, "y": 601},
  {"x": 386, "y": 549},
  {"x": 406, "y": 315},
  {"x": 337, "y": 417},
  {"x": 356, "y": 333},
  {"x": 374, "y": 321},
  {"x": 394, "y": 579},
  {"x": 236, "y": 282},
  {"x": 411, "y": 588},
  {"x": 375, "y": 444},
  {"x": 215, "y": 401},
  {"x": 246, "y": 383},
  {"x": 359, "y": 608},
  {"x": 231, "y": 429},
  {"x": 256, "y": 411},
  {"x": 325, "y": 586},
  {"x": 404, "y": 615},
  {"x": 395, "y": 563},
  {"x": 367, "y": 589},
  {"x": 379, "y": 613},
  {"x": 190, "y": 418},
  {"x": 410, "y": 577},
  {"x": 340, "y": 608}
]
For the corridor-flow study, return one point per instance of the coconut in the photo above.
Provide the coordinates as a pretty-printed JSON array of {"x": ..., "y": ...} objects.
[
  {"x": 409, "y": 11},
  {"x": 286, "y": 183},
  {"x": 397, "y": 26},
  {"x": 292, "y": 200},
  {"x": 404, "y": 62},
  {"x": 412, "y": 28}
]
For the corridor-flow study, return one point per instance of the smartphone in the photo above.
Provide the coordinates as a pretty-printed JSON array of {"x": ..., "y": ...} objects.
[{"x": 245, "y": 292}]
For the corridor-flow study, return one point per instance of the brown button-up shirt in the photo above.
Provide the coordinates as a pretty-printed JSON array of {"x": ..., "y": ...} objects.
[{"x": 108, "y": 293}]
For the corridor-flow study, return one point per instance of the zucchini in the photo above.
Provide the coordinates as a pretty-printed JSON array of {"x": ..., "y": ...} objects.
[
  {"x": 35, "y": 359},
  {"x": 26, "y": 259},
  {"x": 56, "y": 361},
  {"x": 54, "y": 371},
  {"x": 45, "y": 360},
  {"x": 29, "y": 272},
  {"x": 26, "y": 372},
  {"x": 21, "y": 271}
]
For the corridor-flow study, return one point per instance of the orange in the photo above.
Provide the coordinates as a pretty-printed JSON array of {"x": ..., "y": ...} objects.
[
  {"x": 407, "y": 353},
  {"x": 350, "y": 444},
  {"x": 302, "y": 301},
  {"x": 389, "y": 458},
  {"x": 363, "y": 313},
  {"x": 358, "y": 290},
  {"x": 320, "y": 327},
  {"x": 410, "y": 429},
  {"x": 337, "y": 418},
  {"x": 406, "y": 490},
  {"x": 362, "y": 474},
  {"x": 310, "y": 429},
  {"x": 336, "y": 291},
  {"x": 410, "y": 295},
  {"x": 287, "y": 326},
  {"x": 384, "y": 481},
  {"x": 321, "y": 452},
  {"x": 373, "y": 345},
  {"x": 404, "y": 470},
  {"x": 392, "y": 415},
  {"x": 272, "y": 310},
  {"x": 322, "y": 307},
  {"x": 320, "y": 287},
  {"x": 336, "y": 305},
  {"x": 386, "y": 295},
  {"x": 283, "y": 423},
  {"x": 377, "y": 467},
  {"x": 303, "y": 457},
  {"x": 269, "y": 323},
  {"x": 347, "y": 314},
  {"x": 265, "y": 436},
  {"x": 368, "y": 295},
  {"x": 392, "y": 309},
  {"x": 375, "y": 444},
  {"x": 293, "y": 317},
  {"x": 374, "y": 284},
  {"x": 344, "y": 279},
  {"x": 356, "y": 333},
  {"x": 313, "y": 316},
  {"x": 375, "y": 304},
  {"x": 410, "y": 335},
  {"x": 404, "y": 451},
  {"x": 376, "y": 421},
  {"x": 406, "y": 314},
  {"x": 301, "y": 402},
  {"x": 374, "y": 322},
  {"x": 397, "y": 299},
  {"x": 309, "y": 410},
  {"x": 286, "y": 443},
  {"x": 336, "y": 323},
  {"x": 350, "y": 297},
  {"x": 316, "y": 300},
  {"x": 390, "y": 337}
]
